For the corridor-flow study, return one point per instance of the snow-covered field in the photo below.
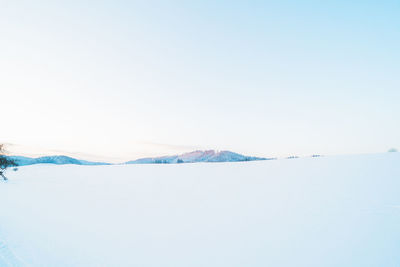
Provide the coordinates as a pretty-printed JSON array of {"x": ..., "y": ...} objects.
[{"x": 328, "y": 211}]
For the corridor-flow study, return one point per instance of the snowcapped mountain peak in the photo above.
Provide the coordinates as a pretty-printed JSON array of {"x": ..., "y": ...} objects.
[{"x": 198, "y": 156}]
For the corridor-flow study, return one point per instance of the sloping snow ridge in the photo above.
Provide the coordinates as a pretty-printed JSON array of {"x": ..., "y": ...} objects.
[
  {"x": 198, "y": 156},
  {"x": 324, "y": 211},
  {"x": 59, "y": 160}
]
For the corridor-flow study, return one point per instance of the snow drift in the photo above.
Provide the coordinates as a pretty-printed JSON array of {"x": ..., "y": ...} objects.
[{"x": 328, "y": 211}]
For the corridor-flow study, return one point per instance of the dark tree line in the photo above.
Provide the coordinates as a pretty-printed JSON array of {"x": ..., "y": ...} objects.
[{"x": 5, "y": 162}]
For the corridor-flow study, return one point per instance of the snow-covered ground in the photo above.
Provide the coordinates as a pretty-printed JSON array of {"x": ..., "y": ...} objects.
[{"x": 328, "y": 211}]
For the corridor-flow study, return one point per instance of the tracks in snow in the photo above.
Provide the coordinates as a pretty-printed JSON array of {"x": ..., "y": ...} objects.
[{"x": 8, "y": 258}]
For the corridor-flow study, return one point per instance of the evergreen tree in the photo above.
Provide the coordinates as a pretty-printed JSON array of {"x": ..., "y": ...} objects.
[{"x": 5, "y": 162}]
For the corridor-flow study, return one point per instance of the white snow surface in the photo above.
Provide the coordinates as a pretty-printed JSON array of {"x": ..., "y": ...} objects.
[{"x": 328, "y": 211}]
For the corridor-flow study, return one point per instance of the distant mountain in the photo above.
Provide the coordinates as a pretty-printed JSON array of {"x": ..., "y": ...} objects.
[
  {"x": 59, "y": 160},
  {"x": 191, "y": 157},
  {"x": 197, "y": 156}
]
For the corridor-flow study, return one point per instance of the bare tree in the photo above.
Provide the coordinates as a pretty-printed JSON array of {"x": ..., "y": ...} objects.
[{"x": 5, "y": 162}]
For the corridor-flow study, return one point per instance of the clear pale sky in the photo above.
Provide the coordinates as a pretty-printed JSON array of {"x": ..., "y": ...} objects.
[{"x": 125, "y": 79}]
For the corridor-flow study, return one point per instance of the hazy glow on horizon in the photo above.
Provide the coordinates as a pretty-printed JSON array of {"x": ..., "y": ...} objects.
[{"x": 125, "y": 79}]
